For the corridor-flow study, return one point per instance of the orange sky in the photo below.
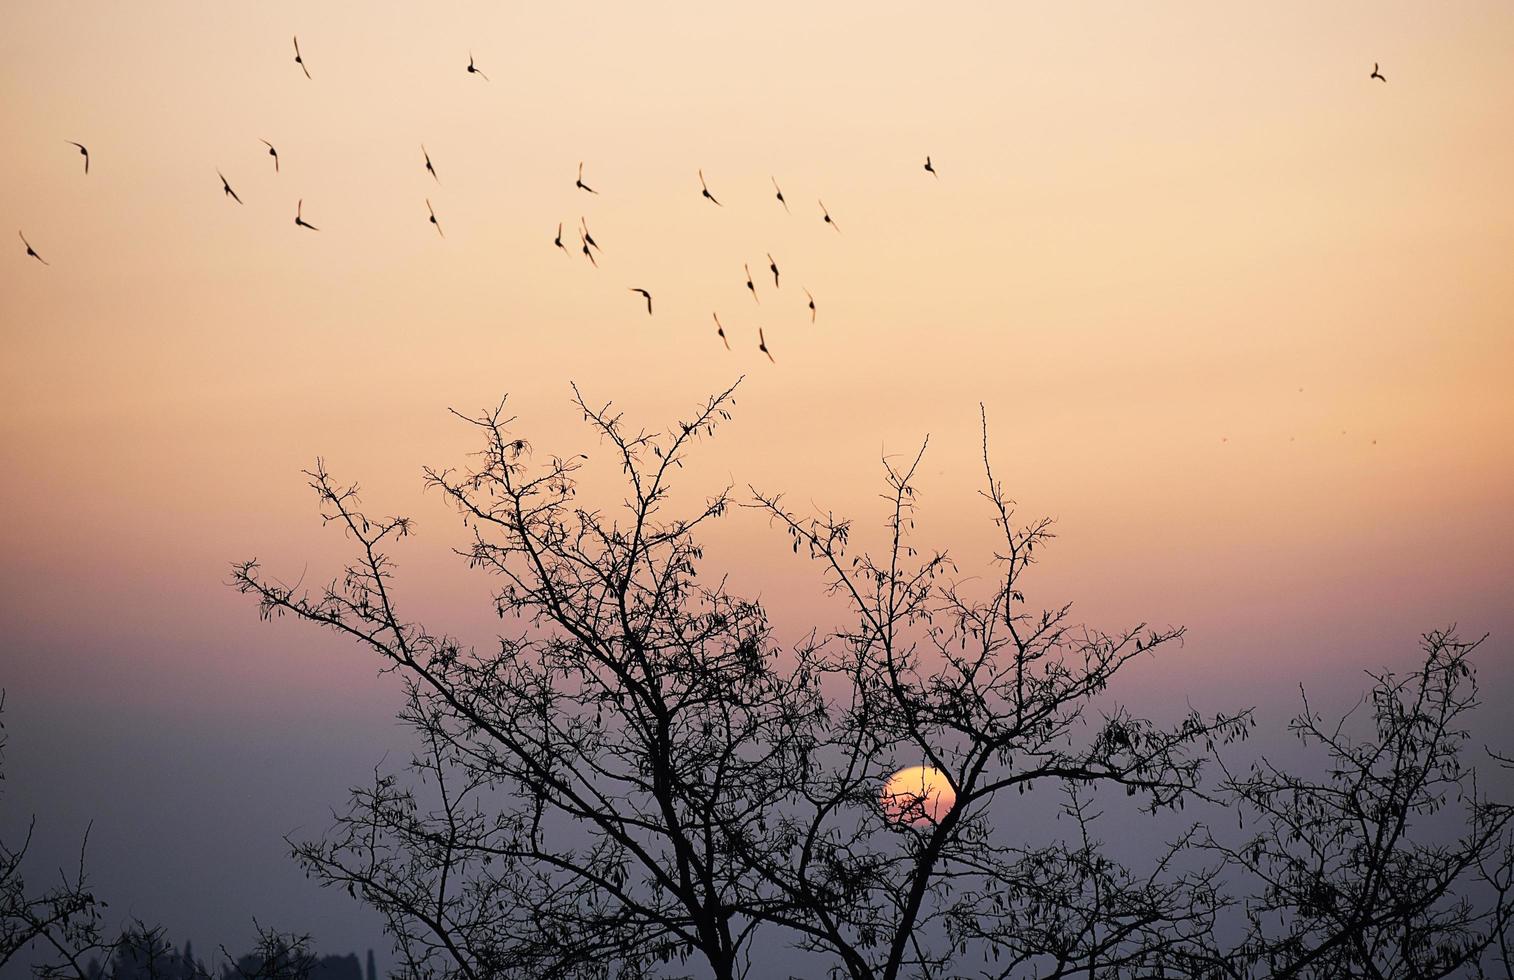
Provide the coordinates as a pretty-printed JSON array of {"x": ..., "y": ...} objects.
[{"x": 1154, "y": 225}]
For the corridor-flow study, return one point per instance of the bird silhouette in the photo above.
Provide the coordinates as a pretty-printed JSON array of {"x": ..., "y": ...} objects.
[
  {"x": 828, "y": 219},
  {"x": 299, "y": 217},
  {"x": 31, "y": 251},
  {"x": 762, "y": 344},
  {"x": 579, "y": 183},
  {"x": 812, "y": 305},
  {"x": 1376, "y": 74},
  {"x": 226, "y": 188},
  {"x": 558, "y": 240},
  {"x": 590, "y": 255},
  {"x": 583, "y": 226},
  {"x": 429, "y": 169},
  {"x": 83, "y": 150},
  {"x": 749, "y": 284},
  {"x": 638, "y": 289},
  {"x": 474, "y": 69},
  {"x": 720, "y": 329},
  {"x": 704, "y": 189},
  {"x": 773, "y": 266},
  {"x": 273, "y": 153},
  {"x": 433, "y": 218},
  {"x": 298, "y": 59},
  {"x": 930, "y": 169},
  {"x": 779, "y": 195}
]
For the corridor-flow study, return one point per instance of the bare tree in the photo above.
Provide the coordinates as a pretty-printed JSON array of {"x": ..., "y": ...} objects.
[
  {"x": 637, "y": 774},
  {"x": 590, "y": 776},
  {"x": 638, "y": 780},
  {"x": 60, "y": 932},
  {"x": 998, "y": 699},
  {"x": 143, "y": 952},
  {"x": 1396, "y": 863},
  {"x": 62, "y": 920},
  {"x": 275, "y": 956},
  {"x": 63, "y": 925}
]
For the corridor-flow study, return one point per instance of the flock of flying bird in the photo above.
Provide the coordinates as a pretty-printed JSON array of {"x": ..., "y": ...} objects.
[{"x": 587, "y": 245}]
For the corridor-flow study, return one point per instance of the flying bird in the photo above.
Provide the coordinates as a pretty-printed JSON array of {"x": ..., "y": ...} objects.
[
  {"x": 579, "y": 183},
  {"x": 433, "y": 218},
  {"x": 585, "y": 239},
  {"x": 583, "y": 226},
  {"x": 558, "y": 240},
  {"x": 473, "y": 69},
  {"x": 299, "y": 217},
  {"x": 273, "y": 153},
  {"x": 762, "y": 344},
  {"x": 31, "y": 251},
  {"x": 720, "y": 329},
  {"x": 429, "y": 169},
  {"x": 298, "y": 59},
  {"x": 780, "y": 193},
  {"x": 812, "y": 305},
  {"x": 226, "y": 188},
  {"x": 1376, "y": 74},
  {"x": 638, "y": 289},
  {"x": 930, "y": 169},
  {"x": 705, "y": 189},
  {"x": 749, "y": 283},
  {"x": 827, "y": 215},
  {"x": 84, "y": 151},
  {"x": 774, "y": 266}
]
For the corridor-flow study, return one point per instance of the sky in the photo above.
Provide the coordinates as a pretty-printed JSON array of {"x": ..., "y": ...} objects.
[{"x": 1238, "y": 314}]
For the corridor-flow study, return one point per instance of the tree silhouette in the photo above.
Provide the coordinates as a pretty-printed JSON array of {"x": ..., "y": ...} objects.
[
  {"x": 64, "y": 919},
  {"x": 592, "y": 774},
  {"x": 275, "y": 956},
  {"x": 1395, "y": 864},
  {"x": 637, "y": 775},
  {"x": 1000, "y": 699},
  {"x": 64, "y": 928}
]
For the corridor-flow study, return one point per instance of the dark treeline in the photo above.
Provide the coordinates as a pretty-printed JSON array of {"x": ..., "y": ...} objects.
[
  {"x": 56, "y": 927},
  {"x": 142, "y": 956},
  {"x": 141, "y": 952}
]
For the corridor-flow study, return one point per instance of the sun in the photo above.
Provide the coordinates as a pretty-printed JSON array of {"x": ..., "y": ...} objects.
[{"x": 918, "y": 796}]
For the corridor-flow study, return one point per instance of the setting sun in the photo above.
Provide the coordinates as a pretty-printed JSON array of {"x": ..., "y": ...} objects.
[{"x": 918, "y": 795}]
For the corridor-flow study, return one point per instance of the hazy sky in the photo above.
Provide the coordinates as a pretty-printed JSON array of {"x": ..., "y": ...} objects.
[{"x": 1240, "y": 317}]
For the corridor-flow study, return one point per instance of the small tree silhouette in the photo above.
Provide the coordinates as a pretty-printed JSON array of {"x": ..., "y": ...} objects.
[
  {"x": 275, "y": 956},
  {"x": 1397, "y": 863},
  {"x": 63, "y": 926},
  {"x": 64, "y": 919}
]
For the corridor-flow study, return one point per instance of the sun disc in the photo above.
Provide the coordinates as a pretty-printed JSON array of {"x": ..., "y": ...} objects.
[{"x": 918, "y": 796}]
